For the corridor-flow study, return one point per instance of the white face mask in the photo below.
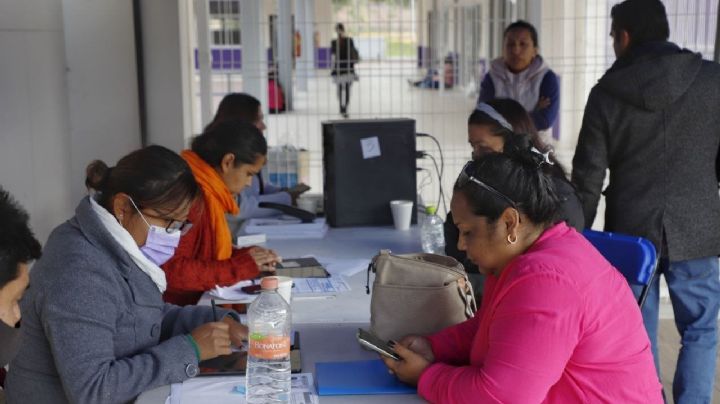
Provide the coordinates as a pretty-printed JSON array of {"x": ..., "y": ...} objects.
[{"x": 160, "y": 244}]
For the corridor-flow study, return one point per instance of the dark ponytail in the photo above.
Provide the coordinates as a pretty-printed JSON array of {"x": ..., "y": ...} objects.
[
  {"x": 518, "y": 173},
  {"x": 236, "y": 106},
  {"x": 154, "y": 177},
  {"x": 242, "y": 139}
]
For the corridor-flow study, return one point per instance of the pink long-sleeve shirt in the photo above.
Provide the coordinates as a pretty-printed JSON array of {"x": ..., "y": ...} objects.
[{"x": 559, "y": 325}]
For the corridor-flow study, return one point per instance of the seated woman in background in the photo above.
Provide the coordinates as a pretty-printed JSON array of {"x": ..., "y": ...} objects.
[
  {"x": 18, "y": 248},
  {"x": 522, "y": 74},
  {"x": 246, "y": 108},
  {"x": 95, "y": 328},
  {"x": 490, "y": 126},
  {"x": 224, "y": 160},
  {"x": 547, "y": 330}
]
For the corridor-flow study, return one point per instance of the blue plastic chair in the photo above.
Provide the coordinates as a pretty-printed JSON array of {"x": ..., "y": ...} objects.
[{"x": 634, "y": 257}]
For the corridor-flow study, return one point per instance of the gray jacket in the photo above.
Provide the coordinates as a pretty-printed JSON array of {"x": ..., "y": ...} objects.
[
  {"x": 95, "y": 328},
  {"x": 654, "y": 121}
]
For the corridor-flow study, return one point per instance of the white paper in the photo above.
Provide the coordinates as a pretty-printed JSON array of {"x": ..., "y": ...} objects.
[
  {"x": 344, "y": 266},
  {"x": 231, "y": 390},
  {"x": 370, "y": 147},
  {"x": 319, "y": 286},
  {"x": 286, "y": 228},
  {"x": 233, "y": 292}
]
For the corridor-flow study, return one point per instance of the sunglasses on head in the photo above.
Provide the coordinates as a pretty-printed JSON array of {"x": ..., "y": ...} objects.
[{"x": 464, "y": 178}]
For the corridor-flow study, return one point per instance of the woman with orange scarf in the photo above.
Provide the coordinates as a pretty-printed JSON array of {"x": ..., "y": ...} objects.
[{"x": 224, "y": 161}]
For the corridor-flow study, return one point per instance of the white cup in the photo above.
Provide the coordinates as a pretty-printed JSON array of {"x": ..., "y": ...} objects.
[
  {"x": 309, "y": 204},
  {"x": 285, "y": 284},
  {"x": 402, "y": 213}
]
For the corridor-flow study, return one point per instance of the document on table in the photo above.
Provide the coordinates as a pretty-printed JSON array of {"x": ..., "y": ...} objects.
[
  {"x": 231, "y": 390},
  {"x": 344, "y": 266},
  {"x": 284, "y": 228},
  {"x": 233, "y": 293},
  {"x": 308, "y": 287}
]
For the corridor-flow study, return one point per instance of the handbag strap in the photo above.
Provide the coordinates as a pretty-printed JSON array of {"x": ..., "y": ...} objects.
[
  {"x": 467, "y": 296},
  {"x": 371, "y": 268}
]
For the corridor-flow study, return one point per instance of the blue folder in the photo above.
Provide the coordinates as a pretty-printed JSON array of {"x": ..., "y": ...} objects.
[{"x": 357, "y": 377}]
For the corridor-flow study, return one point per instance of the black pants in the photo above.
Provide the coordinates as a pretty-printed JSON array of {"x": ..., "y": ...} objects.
[{"x": 343, "y": 102}]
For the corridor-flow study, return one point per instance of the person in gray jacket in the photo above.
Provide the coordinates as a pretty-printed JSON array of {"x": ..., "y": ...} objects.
[
  {"x": 95, "y": 327},
  {"x": 653, "y": 120},
  {"x": 18, "y": 248}
]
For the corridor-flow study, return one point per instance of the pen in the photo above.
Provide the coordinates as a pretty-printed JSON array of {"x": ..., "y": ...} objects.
[{"x": 212, "y": 302}]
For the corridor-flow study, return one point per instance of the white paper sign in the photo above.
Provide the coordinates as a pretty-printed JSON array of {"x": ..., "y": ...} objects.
[{"x": 370, "y": 147}]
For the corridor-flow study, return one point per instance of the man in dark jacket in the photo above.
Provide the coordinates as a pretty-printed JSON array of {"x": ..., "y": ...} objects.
[{"x": 653, "y": 120}]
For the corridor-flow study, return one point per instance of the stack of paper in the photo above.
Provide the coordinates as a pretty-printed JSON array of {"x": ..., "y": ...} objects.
[
  {"x": 233, "y": 292},
  {"x": 231, "y": 389},
  {"x": 286, "y": 227},
  {"x": 302, "y": 287}
]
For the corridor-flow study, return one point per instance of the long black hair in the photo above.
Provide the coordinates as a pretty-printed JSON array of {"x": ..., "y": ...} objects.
[
  {"x": 521, "y": 122},
  {"x": 154, "y": 177},
  {"x": 236, "y": 106},
  {"x": 518, "y": 174},
  {"x": 240, "y": 138},
  {"x": 18, "y": 244}
]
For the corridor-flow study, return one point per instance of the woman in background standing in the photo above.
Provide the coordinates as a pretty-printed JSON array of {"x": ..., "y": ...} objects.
[
  {"x": 522, "y": 74},
  {"x": 345, "y": 55}
]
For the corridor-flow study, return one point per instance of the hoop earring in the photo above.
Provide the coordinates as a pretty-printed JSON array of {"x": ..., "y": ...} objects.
[{"x": 511, "y": 240}]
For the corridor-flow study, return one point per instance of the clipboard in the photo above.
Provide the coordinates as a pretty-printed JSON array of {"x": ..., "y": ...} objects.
[
  {"x": 235, "y": 364},
  {"x": 308, "y": 267}
]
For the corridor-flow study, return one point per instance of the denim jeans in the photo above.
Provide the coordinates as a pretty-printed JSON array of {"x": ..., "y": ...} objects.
[{"x": 695, "y": 296}]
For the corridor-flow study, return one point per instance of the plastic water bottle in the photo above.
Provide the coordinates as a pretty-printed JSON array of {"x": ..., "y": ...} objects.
[
  {"x": 432, "y": 233},
  {"x": 268, "y": 364}
]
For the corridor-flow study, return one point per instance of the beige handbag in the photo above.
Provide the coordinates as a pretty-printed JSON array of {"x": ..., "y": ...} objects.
[{"x": 417, "y": 294}]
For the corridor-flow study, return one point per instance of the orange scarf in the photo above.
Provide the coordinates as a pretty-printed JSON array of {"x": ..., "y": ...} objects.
[{"x": 218, "y": 201}]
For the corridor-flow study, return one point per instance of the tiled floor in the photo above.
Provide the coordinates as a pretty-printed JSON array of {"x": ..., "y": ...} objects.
[{"x": 669, "y": 346}]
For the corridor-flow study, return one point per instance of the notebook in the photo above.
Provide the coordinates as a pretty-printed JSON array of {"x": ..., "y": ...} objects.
[
  {"x": 301, "y": 268},
  {"x": 357, "y": 377}
]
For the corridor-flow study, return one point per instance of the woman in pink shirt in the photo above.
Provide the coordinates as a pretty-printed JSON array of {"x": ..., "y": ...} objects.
[{"x": 557, "y": 324}]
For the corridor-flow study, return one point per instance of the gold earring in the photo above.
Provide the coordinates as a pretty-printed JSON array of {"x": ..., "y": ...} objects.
[{"x": 511, "y": 240}]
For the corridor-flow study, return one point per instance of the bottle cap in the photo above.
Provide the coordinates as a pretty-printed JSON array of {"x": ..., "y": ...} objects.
[
  {"x": 430, "y": 210},
  {"x": 269, "y": 282}
]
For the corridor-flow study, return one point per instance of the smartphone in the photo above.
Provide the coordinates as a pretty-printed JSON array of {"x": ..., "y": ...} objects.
[
  {"x": 252, "y": 289},
  {"x": 374, "y": 343}
]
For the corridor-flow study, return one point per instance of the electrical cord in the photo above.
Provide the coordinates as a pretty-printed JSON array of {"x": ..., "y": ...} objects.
[
  {"x": 441, "y": 196},
  {"x": 441, "y": 171}
]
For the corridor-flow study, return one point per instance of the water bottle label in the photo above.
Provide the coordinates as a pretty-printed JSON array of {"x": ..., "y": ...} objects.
[{"x": 268, "y": 346}]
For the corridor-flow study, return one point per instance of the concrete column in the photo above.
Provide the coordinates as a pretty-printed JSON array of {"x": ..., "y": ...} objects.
[
  {"x": 202, "y": 15},
  {"x": 284, "y": 58},
  {"x": 166, "y": 64},
  {"x": 254, "y": 54},
  {"x": 305, "y": 66},
  {"x": 301, "y": 66}
]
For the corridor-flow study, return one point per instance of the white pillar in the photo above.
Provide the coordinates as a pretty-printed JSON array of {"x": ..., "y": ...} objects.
[
  {"x": 284, "y": 57},
  {"x": 254, "y": 54},
  {"x": 202, "y": 15},
  {"x": 301, "y": 66},
  {"x": 307, "y": 32}
]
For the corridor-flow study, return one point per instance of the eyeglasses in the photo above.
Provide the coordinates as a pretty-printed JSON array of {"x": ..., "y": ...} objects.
[
  {"x": 183, "y": 226},
  {"x": 464, "y": 178}
]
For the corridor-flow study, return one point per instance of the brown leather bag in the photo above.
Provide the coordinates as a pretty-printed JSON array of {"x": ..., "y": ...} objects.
[{"x": 417, "y": 294}]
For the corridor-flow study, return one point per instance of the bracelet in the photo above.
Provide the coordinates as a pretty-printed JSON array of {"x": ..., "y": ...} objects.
[{"x": 194, "y": 345}]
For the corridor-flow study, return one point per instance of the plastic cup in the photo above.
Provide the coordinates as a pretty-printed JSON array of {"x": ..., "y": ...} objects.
[
  {"x": 401, "y": 213},
  {"x": 285, "y": 284}
]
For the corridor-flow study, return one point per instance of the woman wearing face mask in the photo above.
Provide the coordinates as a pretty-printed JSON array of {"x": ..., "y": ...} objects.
[
  {"x": 546, "y": 319},
  {"x": 522, "y": 74},
  {"x": 95, "y": 327},
  {"x": 224, "y": 161}
]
